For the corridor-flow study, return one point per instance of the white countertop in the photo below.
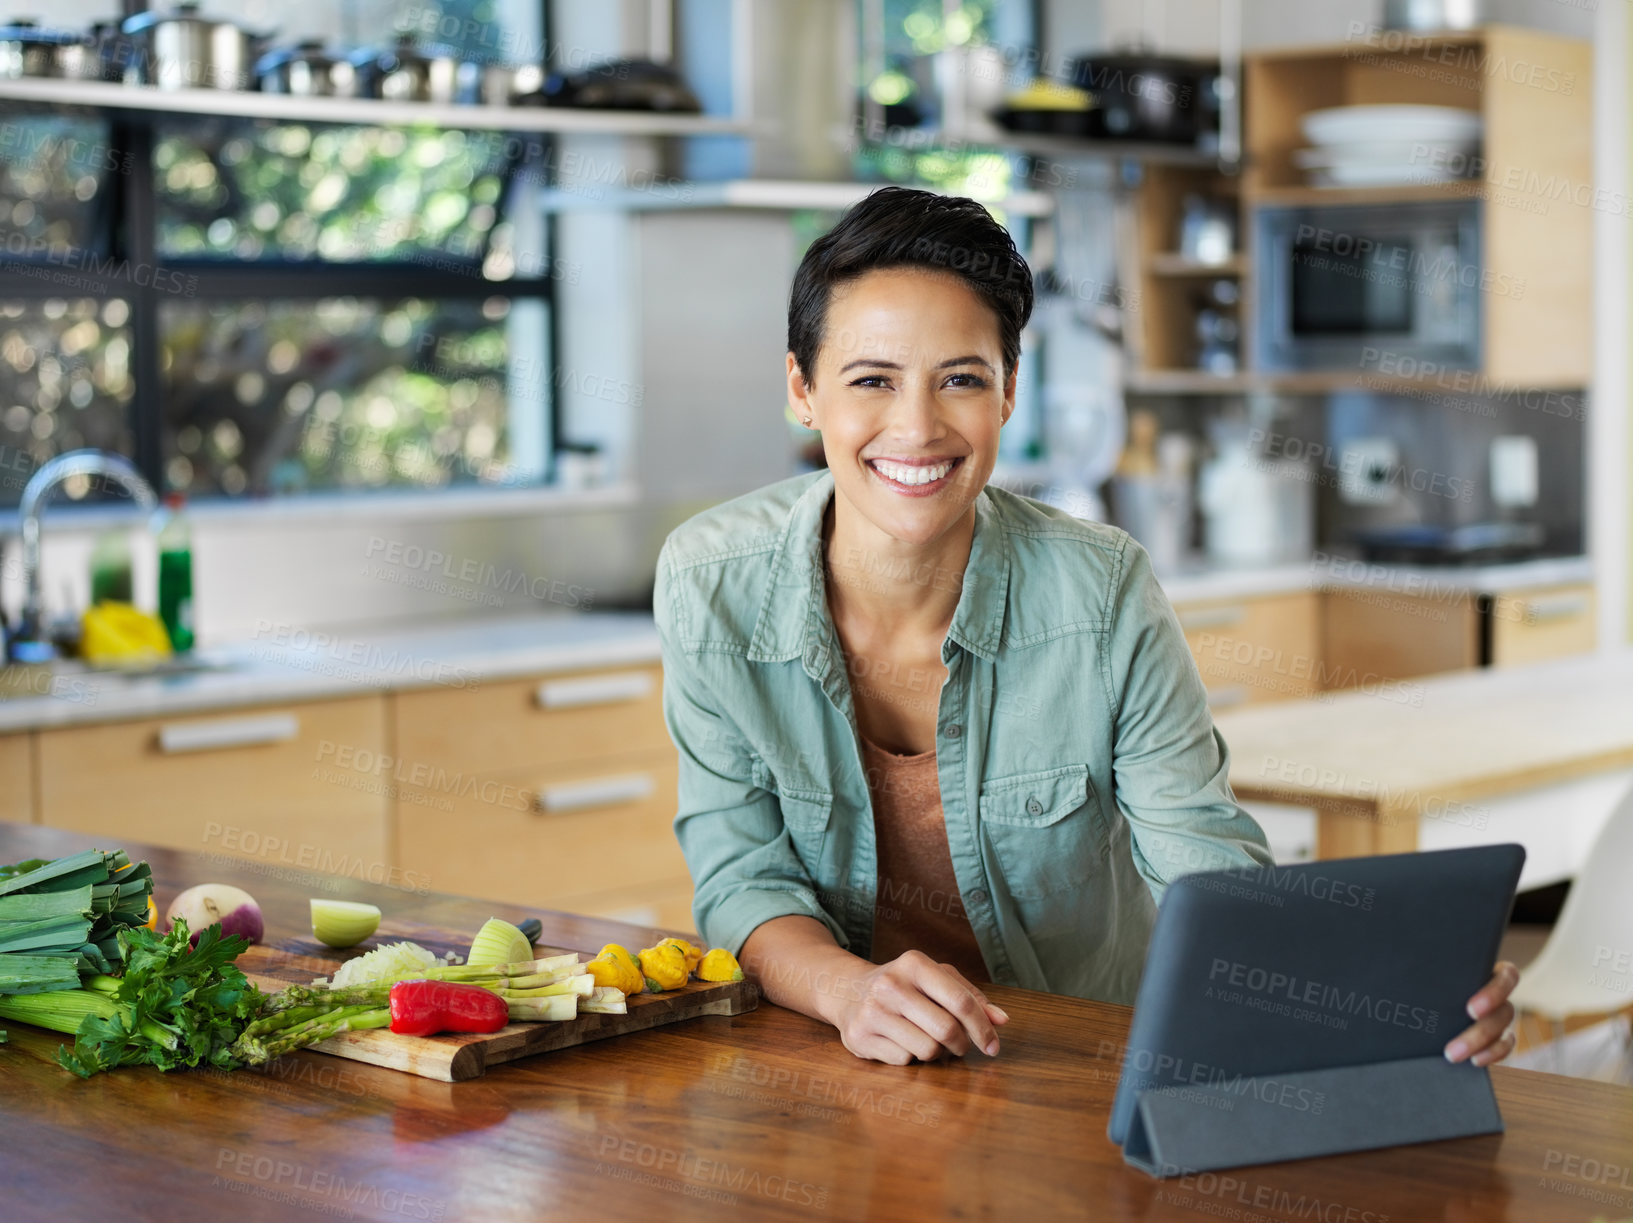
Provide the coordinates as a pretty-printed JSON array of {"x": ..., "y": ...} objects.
[
  {"x": 297, "y": 664},
  {"x": 1324, "y": 571},
  {"x": 286, "y": 663}
]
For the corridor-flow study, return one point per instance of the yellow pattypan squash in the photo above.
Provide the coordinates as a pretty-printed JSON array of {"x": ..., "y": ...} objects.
[
  {"x": 693, "y": 953},
  {"x": 617, "y": 967},
  {"x": 719, "y": 965},
  {"x": 664, "y": 966}
]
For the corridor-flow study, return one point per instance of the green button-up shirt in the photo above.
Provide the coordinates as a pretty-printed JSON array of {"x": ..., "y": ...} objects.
[{"x": 1079, "y": 766}]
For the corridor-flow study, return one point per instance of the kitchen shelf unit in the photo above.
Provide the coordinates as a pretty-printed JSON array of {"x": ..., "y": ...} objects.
[
  {"x": 767, "y": 195},
  {"x": 370, "y": 112},
  {"x": 1534, "y": 94},
  {"x": 1172, "y": 263}
]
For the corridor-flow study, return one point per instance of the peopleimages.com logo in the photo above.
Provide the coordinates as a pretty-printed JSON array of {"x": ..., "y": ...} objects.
[{"x": 1278, "y": 992}]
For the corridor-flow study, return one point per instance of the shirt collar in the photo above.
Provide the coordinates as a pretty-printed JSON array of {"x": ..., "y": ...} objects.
[{"x": 794, "y": 621}]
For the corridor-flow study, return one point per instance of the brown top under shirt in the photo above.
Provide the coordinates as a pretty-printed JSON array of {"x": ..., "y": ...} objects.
[{"x": 919, "y": 906}]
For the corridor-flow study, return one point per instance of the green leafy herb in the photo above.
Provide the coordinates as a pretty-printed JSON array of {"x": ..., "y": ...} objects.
[{"x": 176, "y": 1006}]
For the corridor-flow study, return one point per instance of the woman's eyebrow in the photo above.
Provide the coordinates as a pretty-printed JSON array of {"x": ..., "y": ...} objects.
[
  {"x": 878, "y": 364},
  {"x": 969, "y": 360}
]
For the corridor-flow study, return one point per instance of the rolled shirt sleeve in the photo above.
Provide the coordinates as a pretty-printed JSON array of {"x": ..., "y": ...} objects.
[
  {"x": 744, "y": 868},
  {"x": 1170, "y": 765}
]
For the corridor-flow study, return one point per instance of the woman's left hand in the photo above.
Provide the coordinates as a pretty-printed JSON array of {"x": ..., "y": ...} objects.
[{"x": 1489, "y": 1039}]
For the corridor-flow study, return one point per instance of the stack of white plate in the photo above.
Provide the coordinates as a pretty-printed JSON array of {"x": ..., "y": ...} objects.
[{"x": 1376, "y": 146}]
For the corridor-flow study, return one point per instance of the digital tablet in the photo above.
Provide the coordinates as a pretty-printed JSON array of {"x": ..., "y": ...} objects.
[{"x": 1343, "y": 962}]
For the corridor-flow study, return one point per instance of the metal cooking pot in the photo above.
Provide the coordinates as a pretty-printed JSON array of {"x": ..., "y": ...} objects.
[
  {"x": 305, "y": 70},
  {"x": 27, "y": 50},
  {"x": 1143, "y": 96},
  {"x": 409, "y": 74},
  {"x": 182, "y": 50}
]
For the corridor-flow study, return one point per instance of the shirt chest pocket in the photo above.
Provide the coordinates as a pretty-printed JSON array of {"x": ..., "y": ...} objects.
[
  {"x": 1045, "y": 830},
  {"x": 805, "y": 813}
]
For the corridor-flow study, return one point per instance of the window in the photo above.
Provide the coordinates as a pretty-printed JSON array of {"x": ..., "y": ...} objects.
[{"x": 250, "y": 308}]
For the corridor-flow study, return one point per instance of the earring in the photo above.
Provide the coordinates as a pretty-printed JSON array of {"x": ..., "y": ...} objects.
[{"x": 807, "y": 421}]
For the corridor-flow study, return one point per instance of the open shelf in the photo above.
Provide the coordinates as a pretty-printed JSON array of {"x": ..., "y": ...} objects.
[
  {"x": 755, "y": 193},
  {"x": 242, "y": 104},
  {"x": 1396, "y": 193},
  {"x": 1172, "y": 263},
  {"x": 1316, "y": 382}
]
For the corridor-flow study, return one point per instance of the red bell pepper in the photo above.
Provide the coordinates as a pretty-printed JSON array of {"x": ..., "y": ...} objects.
[{"x": 424, "y": 1008}]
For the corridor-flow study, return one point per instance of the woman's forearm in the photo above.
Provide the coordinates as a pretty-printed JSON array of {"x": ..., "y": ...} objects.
[{"x": 796, "y": 963}]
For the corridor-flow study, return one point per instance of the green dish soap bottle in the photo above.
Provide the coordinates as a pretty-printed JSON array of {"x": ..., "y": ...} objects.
[{"x": 176, "y": 572}]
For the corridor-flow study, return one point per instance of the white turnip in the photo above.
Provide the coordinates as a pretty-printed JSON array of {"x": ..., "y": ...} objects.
[{"x": 208, "y": 903}]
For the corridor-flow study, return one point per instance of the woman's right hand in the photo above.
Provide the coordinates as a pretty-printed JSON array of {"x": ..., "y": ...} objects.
[{"x": 916, "y": 1009}]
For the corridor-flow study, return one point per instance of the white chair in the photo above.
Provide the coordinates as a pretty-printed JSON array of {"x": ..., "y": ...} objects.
[{"x": 1586, "y": 967}]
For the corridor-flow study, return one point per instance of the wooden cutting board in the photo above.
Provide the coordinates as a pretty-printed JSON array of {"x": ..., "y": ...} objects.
[{"x": 456, "y": 1057}]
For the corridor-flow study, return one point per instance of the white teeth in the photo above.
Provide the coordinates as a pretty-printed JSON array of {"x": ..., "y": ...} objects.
[{"x": 903, "y": 474}]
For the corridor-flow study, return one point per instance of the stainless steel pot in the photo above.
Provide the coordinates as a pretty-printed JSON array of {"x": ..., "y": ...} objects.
[
  {"x": 305, "y": 70},
  {"x": 183, "y": 50},
  {"x": 408, "y": 74},
  {"x": 1433, "y": 14},
  {"x": 27, "y": 50}
]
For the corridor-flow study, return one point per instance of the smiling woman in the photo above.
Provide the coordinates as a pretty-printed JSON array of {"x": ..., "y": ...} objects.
[{"x": 932, "y": 733}]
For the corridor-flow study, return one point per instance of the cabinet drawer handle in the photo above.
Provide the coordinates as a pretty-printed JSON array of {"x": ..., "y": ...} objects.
[
  {"x": 228, "y": 732},
  {"x": 594, "y": 690},
  {"x": 1211, "y": 617},
  {"x": 599, "y": 792},
  {"x": 1224, "y": 698},
  {"x": 1555, "y": 607}
]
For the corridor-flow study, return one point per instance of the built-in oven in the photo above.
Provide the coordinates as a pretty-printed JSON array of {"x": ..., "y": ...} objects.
[{"x": 1358, "y": 287}]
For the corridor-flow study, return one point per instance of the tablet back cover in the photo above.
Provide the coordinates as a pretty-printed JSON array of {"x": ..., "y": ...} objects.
[{"x": 1342, "y": 962}]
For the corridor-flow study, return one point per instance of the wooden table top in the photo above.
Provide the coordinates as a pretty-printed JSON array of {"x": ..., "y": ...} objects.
[
  {"x": 762, "y": 1115},
  {"x": 1459, "y": 736}
]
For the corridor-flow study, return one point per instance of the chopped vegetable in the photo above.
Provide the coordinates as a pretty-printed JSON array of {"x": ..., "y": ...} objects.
[
  {"x": 544, "y": 1010},
  {"x": 664, "y": 967},
  {"x": 62, "y": 918},
  {"x": 343, "y": 923},
  {"x": 692, "y": 952},
  {"x": 617, "y": 968},
  {"x": 604, "y": 1001},
  {"x": 499, "y": 942},
  {"x": 424, "y": 1008},
  {"x": 392, "y": 962},
  {"x": 719, "y": 965}
]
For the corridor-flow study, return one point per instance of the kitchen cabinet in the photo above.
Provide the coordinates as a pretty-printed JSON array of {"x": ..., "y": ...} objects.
[
  {"x": 1376, "y": 636},
  {"x": 302, "y": 785},
  {"x": 17, "y": 779},
  {"x": 542, "y": 722},
  {"x": 557, "y": 790},
  {"x": 1372, "y": 636},
  {"x": 1539, "y": 625},
  {"x": 590, "y": 837},
  {"x": 1265, "y": 648},
  {"x": 1533, "y": 176}
]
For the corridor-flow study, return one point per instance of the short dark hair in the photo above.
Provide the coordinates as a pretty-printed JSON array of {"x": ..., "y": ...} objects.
[{"x": 901, "y": 227}]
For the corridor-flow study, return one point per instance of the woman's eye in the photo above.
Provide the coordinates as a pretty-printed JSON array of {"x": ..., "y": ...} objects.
[
  {"x": 872, "y": 380},
  {"x": 967, "y": 380}
]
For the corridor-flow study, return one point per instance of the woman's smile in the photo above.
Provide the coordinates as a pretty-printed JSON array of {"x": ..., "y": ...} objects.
[{"x": 923, "y": 477}]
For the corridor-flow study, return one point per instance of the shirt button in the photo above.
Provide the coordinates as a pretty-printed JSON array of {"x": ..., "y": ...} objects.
[
  {"x": 978, "y": 897},
  {"x": 1033, "y": 806},
  {"x": 954, "y": 730}
]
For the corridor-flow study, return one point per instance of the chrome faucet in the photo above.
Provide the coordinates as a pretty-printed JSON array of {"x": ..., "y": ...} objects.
[{"x": 39, "y": 487}]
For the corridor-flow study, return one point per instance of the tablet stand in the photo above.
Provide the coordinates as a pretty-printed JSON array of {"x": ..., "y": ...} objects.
[{"x": 1202, "y": 1127}]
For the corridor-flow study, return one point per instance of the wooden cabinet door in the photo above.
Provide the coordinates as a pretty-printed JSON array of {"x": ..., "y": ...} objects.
[
  {"x": 589, "y": 837},
  {"x": 17, "y": 778},
  {"x": 1252, "y": 650},
  {"x": 299, "y": 787},
  {"x": 1371, "y": 637},
  {"x": 500, "y": 727},
  {"x": 1538, "y": 625}
]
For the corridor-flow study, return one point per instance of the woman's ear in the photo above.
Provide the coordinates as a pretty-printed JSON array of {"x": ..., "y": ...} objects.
[
  {"x": 799, "y": 395},
  {"x": 1009, "y": 396}
]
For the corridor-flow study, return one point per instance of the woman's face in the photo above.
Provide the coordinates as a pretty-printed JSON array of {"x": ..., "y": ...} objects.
[{"x": 910, "y": 395}]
